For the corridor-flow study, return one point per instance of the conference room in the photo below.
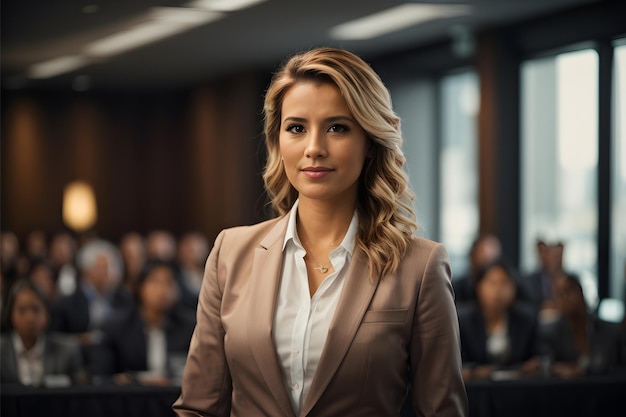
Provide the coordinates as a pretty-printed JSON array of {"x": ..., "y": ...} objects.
[{"x": 138, "y": 144}]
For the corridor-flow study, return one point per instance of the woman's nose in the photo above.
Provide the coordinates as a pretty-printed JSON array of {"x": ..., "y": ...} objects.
[{"x": 316, "y": 145}]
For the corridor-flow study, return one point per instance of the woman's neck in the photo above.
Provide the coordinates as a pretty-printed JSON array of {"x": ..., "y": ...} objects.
[
  {"x": 152, "y": 317},
  {"x": 494, "y": 319},
  {"x": 323, "y": 224},
  {"x": 29, "y": 342}
]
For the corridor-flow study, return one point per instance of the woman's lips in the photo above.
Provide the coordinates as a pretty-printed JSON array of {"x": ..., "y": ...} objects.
[{"x": 316, "y": 172}]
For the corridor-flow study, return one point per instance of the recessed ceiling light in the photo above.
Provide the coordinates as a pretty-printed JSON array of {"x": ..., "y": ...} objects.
[
  {"x": 223, "y": 5},
  {"x": 394, "y": 19},
  {"x": 161, "y": 23},
  {"x": 57, "y": 66}
]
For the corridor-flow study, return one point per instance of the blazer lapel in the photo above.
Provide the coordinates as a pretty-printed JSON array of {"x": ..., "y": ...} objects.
[
  {"x": 355, "y": 298},
  {"x": 265, "y": 279}
]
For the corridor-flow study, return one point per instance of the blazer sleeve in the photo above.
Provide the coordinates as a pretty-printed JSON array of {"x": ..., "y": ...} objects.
[
  {"x": 206, "y": 385},
  {"x": 437, "y": 382}
]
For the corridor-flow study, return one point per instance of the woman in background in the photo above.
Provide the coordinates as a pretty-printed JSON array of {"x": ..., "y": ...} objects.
[
  {"x": 29, "y": 353},
  {"x": 497, "y": 333},
  {"x": 578, "y": 343},
  {"x": 140, "y": 342}
]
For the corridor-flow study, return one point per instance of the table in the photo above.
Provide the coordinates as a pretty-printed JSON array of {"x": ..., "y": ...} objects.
[
  {"x": 88, "y": 401},
  {"x": 585, "y": 397}
]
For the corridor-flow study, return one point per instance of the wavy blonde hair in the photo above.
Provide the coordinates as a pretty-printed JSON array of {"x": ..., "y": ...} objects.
[{"x": 385, "y": 202}]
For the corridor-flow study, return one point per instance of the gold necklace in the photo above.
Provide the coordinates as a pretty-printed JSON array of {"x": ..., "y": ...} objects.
[{"x": 320, "y": 267}]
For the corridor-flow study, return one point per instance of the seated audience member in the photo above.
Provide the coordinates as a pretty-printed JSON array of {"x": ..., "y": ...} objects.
[
  {"x": 36, "y": 245},
  {"x": 496, "y": 332},
  {"x": 62, "y": 255},
  {"x": 9, "y": 256},
  {"x": 144, "y": 340},
  {"x": 99, "y": 293},
  {"x": 42, "y": 275},
  {"x": 578, "y": 343},
  {"x": 160, "y": 246},
  {"x": 538, "y": 287},
  {"x": 29, "y": 353},
  {"x": 193, "y": 249},
  {"x": 485, "y": 250},
  {"x": 133, "y": 250}
]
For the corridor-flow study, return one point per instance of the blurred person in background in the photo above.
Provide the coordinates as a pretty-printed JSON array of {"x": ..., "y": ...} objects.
[
  {"x": 538, "y": 287},
  {"x": 36, "y": 245},
  {"x": 485, "y": 250},
  {"x": 62, "y": 253},
  {"x": 193, "y": 249},
  {"x": 133, "y": 249},
  {"x": 497, "y": 333},
  {"x": 98, "y": 294},
  {"x": 147, "y": 343},
  {"x": 30, "y": 354},
  {"x": 161, "y": 246},
  {"x": 578, "y": 343},
  {"x": 9, "y": 262}
]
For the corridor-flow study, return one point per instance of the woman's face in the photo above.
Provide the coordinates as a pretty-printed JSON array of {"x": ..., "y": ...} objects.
[
  {"x": 158, "y": 291},
  {"x": 323, "y": 147},
  {"x": 29, "y": 316},
  {"x": 569, "y": 299},
  {"x": 496, "y": 291}
]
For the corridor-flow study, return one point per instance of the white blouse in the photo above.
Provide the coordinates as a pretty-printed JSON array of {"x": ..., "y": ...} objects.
[{"x": 301, "y": 322}]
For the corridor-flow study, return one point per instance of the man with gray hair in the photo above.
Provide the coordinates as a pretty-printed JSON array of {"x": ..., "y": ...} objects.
[{"x": 98, "y": 293}]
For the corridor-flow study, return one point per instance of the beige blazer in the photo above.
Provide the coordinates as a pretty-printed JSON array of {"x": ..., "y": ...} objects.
[{"x": 387, "y": 334}]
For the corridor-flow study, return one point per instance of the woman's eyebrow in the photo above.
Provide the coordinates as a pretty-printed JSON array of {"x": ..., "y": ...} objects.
[{"x": 326, "y": 120}]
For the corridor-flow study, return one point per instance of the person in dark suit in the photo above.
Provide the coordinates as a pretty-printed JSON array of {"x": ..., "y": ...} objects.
[
  {"x": 579, "y": 343},
  {"x": 29, "y": 353},
  {"x": 496, "y": 332},
  {"x": 485, "y": 250},
  {"x": 537, "y": 288},
  {"x": 98, "y": 294},
  {"x": 146, "y": 341}
]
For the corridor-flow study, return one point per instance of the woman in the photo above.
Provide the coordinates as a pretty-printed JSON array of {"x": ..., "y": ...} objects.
[
  {"x": 30, "y": 355},
  {"x": 141, "y": 342},
  {"x": 578, "y": 343},
  {"x": 334, "y": 308},
  {"x": 497, "y": 333}
]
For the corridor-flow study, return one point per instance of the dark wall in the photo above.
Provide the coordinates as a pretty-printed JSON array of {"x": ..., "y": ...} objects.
[{"x": 177, "y": 160}]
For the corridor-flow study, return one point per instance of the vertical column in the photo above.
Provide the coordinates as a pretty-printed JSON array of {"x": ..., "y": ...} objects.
[
  {"x": 605, "y": 100},
  {"x": 497, "y": 63}
]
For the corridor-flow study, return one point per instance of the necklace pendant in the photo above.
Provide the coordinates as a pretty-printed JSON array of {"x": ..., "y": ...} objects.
[{"x": 321, "y": 268}]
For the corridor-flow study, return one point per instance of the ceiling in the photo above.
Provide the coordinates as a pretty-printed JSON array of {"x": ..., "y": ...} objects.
[{"x": 258, "y": 37}]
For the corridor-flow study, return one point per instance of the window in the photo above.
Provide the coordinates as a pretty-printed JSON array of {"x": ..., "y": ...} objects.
[
  {"x": 459, "y": 99},
  {"x": 559, "y": 136},
  {"x": 618, "y": 181}
]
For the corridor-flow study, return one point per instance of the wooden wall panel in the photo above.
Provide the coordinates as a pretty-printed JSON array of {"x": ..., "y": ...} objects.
[{"x": 184, "y": 160}]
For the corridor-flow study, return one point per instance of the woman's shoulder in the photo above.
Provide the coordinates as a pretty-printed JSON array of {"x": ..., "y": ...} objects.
[
  {"x": 422, "y": 243},
  {"x": 425, "y": 249},
  {"x": 252, "y": 234}
]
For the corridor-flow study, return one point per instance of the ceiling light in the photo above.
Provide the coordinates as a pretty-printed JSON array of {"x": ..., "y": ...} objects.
[
  {"x": 394, "y": 19},
  {"x": 162, "y": 22},
  {"x": 223, "y": 5},
  {"x": 57, "y": 66}
]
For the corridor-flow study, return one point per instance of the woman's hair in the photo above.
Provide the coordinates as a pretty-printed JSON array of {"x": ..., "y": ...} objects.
[
  {"x": 384, "y": 202},
  {"x": 148, "y": 269},
  {"x": 498, "y": 263},
  {"x": 22, "y": 284}
]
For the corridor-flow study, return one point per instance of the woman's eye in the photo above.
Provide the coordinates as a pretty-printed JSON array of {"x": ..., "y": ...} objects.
[
  {"x": 295, "y": 128},
  {"x": 338, "y": 129}
]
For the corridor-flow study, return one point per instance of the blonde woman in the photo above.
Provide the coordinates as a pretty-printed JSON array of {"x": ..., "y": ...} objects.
[{"x": 334, "y": 308}]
